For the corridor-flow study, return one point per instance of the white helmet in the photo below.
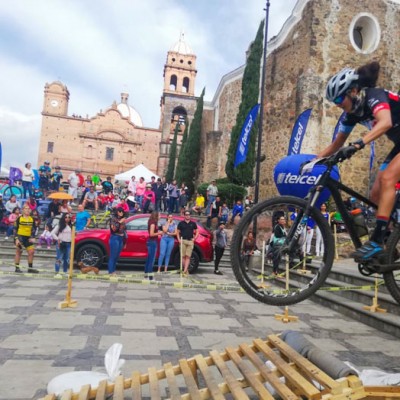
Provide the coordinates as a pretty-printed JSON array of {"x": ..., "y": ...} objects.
[{"x": 340, "y": 83}]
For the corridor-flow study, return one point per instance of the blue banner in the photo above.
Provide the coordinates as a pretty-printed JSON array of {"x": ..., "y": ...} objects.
[
  {"x": 298, "y": 132},
  {"x": 372, "y": 155},
  {"x": 244, "y": 140},
  {"x": 0, "y": 155},
  {"x": 336, "y": 131}
]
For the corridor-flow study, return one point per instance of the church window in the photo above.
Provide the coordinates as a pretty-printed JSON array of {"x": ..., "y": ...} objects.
[
  {"x": 50, "y": 147},
  {"x": 365, "y": 33},
  {"x": 89, "y": 151},
  {"x": 109, "y": 154},
  {"x": 173, "y": 82},
  {"x": 179, "y": 115},
  {"x": 129, "y": 157},
  {"x": 185, "y": 85}
]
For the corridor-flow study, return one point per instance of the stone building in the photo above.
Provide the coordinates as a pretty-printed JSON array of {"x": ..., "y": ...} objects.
[
  {"x": 115, "y": 140},
  {"x": 319, "y": 38}
]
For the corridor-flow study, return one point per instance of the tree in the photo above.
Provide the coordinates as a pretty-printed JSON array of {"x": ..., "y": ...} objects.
[
  {"x": 172, "y": 156},
  {"x": 243, "y": 173},
  {"x": 191, "y": 156},
  {"x": 181, "y": 157}
]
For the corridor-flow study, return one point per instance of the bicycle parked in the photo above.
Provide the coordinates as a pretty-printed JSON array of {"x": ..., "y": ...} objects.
[
  {"x": 100, "y": 219},
  {"x": 296, "y": 286}
]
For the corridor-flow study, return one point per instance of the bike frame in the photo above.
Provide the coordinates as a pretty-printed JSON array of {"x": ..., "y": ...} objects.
[{"x": 336, "y": 187}]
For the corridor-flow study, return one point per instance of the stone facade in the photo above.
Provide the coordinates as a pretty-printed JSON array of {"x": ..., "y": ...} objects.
[{"x": 316, "y": 41}]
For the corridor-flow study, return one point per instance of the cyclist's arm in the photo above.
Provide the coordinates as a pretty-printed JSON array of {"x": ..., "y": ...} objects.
[
  {"x": 383, "y": 122},
  {"x": 334, "y": 146}
]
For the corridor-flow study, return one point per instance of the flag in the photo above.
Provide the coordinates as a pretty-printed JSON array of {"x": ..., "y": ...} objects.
[
  {"x": 298, "y": 132},
  {"x": 372, "y": 155},
  {"x": 244, "y": 139},
  {"x": 15, "y": 175},
  {"x": 336, "y": 131}
]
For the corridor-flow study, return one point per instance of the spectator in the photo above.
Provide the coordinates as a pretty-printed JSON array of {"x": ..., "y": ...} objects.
[
  {"x": 44, "y": 176},
  {"x": 248, "y": 202},
  {"x": 107, "y": 185},
  {"x": 27, "y": 178},
  {"x": 237, "y": 210},
  {"x": 87, "y": 183},
  {"x": 223, "y": 214},
  {"x": 183, "y": 200},
  {"x": 154, "y": 233},
  {"x": 221, "y": 241},
  {"x": 37, "y": 222},
  {"x": 117, "y": 238},
  {"x": 46, "y": 237},
  {"x": 56, "y": 179},
  {"x": 123, "y": 204},
  {"x": 132, "y": 186},
  {"x": 31, "y": 203},
  {"x": 173, "y": 197},
  {"x": 64, "y": 207},
  {"x": 159, "y": 192},
  {"x": 199, "y": 204},
  {"x": 2, "y": 207},
  {"x": 83, "y": 219},
  {"x": 212, "y": 193},
  {"x": 24, "y": 227},
  {"x": 140, "y": 189},
  {"x": 149, "y": 199},
  {"x": 130, "y": 200},
  {"x": 73, "y": 181},
  {"x": 115, "y": 201},
  {"x": 11, "y": 219},
  {"x": 62, "y": 235},
  {"x": 11, "y": 204},
  {"x": 96, "y": 180},
  {"x": 319, "y": 243},
  {"x": 249, "y": 245},
  {"x": 153, "y": 184},
  {"x": 167, "y": 242},
  {"x": 90, "y": 200},
  {"x": 215, "y": 209},
  {"x": 164, "y": 199},
  {"x": 187, "y": 234},
  {"x": 277, "y": 242}
]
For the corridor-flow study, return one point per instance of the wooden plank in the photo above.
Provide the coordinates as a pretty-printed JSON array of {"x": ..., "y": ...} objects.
[
  {"x": 189, "y": 379},
  {"x": 84, "y": 392},
  {"x": 267, "y": 374},
  {"x": 101, "y": 393},
  {"x": 49, "y": 397},
  {"x": 250, "y": 376},
  {"x": 295, "y": 378},
  {"x": 153, "y": 381},
  {"x": 136, "y": 386},
  {"x": 172, "y": 384},
  {"x": 208, "y": 377},
  {"x": 119, "y": 388},
  {"x": 233, "y": 384},
  {"x": 306, "y": 366},
  {"x": 66, "y": 395}
]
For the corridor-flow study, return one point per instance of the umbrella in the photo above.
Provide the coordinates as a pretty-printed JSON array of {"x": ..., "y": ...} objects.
[{"x": 61, "y": 196}]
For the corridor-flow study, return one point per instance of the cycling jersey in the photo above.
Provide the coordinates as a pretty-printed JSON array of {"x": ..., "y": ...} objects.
[
  {"x": 374, "y": 100},
  {"x": 24, "y": 226}
]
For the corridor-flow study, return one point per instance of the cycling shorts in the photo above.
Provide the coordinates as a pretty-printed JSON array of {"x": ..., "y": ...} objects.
[
  {"x": 393, "y": 153},
  {"x": 24, "y": 240}
]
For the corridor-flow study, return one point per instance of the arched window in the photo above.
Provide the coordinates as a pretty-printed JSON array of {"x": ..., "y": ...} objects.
[
  {"x": 179, "y": 115},
  {"x": 129, "y": 157},
  {"x": 185, "y": 86},
  {"x": 173, "y": 82},
  {"x": 89, "y": 151}
]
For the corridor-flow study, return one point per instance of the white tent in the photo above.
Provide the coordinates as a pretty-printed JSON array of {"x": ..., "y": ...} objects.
[
  {"x": 4, "y": 172},
  {"x": 138, "y": 171}
]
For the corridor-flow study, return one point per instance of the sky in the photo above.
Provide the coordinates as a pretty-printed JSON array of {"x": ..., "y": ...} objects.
[{"x": 100, "y": 48}]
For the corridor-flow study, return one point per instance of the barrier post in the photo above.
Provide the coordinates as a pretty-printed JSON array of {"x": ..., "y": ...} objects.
[
  {"x": 262, "y": 283},
  {"x": 68, "y": 303},
  {"x": 335, "y": 239},
  {"x": 374, "y": 307}
]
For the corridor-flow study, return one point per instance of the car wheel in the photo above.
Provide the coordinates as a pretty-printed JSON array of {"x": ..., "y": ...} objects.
[
  {"x": 91, "y": 255},
  {"x": 194, "y": 261}
]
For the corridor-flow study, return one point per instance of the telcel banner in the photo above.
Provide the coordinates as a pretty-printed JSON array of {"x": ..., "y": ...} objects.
[{"x": 289, "y": 182}]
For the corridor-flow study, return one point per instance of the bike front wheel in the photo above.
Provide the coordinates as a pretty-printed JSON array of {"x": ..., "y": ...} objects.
[{"x": 299, "y": 272}]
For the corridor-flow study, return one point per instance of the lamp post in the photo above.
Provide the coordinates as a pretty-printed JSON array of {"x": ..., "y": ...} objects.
[{"x": 260, "y": 126}]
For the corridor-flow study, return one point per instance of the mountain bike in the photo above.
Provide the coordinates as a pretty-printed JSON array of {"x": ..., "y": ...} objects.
[
  {"x": 100, "y": 219},
  {"x": 294, "y": 285}
]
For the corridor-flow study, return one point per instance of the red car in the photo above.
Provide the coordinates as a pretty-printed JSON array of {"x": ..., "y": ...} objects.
[{"x": 92, "y": 246}]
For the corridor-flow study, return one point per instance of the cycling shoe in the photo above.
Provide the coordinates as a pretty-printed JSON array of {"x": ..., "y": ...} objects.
[{"x": 367, "y": 251}]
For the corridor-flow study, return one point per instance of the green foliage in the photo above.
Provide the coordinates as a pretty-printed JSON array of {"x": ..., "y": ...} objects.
[
  {"x": 243, "y": 173},
  {"x": 172, "y": 156},
  {"x": 181, "y": 158},
  {"x": 191, "y": 150},
  {"x": 228, "y": 192}
]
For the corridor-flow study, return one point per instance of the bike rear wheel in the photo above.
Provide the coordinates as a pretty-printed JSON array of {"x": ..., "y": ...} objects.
[
  {"x": 293, "y": 284},
  {"x": 392, "y": 278}
]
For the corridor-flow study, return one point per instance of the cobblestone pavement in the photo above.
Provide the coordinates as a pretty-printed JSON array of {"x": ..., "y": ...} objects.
[{"x": 155, "y": 324}]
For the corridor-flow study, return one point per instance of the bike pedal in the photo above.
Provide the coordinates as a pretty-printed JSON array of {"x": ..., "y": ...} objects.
[{"x": 367, "y": 269}]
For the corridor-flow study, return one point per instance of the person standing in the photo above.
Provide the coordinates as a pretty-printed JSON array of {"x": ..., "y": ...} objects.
[
  {"x": 62, "y": 234},
  {"x": 24, "y": 228},
  {"x": 154, "y": 233},
  {"x": 107, "y": 185},
  {"x": 117, "y": 238},
  {"x": 132, "y": 186},
  {"x": 82, "y": 220},
  {"x": 319, "y": 243},
  {"x": 73, "y": 181},
  {"x": 277, "y": 242},
  {"x": 187, "y": 234},
  {"x": 44, "y": 176},
  {"x": 56, "y": 179},
  {"x": 173, "y": 197},
  {"x": 221, "y": 241},
  {"x": 27, "y": 178},
  {"x": 140, "y": 189},
  {"x": 167, "y": 242},
  {"x": 212, "y": 193},
  {"x": 159, "y": 192}
]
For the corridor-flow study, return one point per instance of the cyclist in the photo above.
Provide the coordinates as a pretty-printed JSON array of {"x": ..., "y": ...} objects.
[{"x": 354, "y": 91}]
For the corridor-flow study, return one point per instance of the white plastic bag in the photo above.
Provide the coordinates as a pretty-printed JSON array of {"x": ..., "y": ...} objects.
[{"x": 76, "y": 379}]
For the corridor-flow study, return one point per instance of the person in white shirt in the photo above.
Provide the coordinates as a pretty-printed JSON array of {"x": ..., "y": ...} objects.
[
  {"x": 27, "y": 178},
  {"x": 132, "y": 186},
  {"x": 73, "y": 181}
]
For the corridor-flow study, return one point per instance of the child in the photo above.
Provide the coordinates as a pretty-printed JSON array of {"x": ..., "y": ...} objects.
[
  {"x": 224, "y": 213},
  {"x": 37, "y": 221},
  {"x": 237, "y": 210},
  {"x": 46, "y": 237}
]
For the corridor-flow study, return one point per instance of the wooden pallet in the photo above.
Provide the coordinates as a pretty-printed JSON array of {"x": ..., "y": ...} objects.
[{"x": 238, "y": 373}]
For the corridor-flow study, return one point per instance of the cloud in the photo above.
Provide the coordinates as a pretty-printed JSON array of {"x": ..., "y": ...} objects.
[{"x": 101, "y": 49}]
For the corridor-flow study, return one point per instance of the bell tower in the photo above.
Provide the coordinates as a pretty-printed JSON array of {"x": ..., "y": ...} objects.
[
  {"x": 56, "y": 98},
  {"x": 178, "y": 101}
]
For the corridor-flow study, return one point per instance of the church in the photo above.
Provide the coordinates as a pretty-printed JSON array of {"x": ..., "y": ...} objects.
[{"x": 317, "y": 40}]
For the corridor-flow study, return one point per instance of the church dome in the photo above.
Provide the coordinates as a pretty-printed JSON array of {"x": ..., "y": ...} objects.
[
  {"x": 181, "y": 46},
  {"x": 129, "y": 112}
]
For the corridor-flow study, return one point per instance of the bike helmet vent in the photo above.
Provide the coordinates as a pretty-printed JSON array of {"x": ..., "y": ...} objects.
[{"x": 340, "y": 83}]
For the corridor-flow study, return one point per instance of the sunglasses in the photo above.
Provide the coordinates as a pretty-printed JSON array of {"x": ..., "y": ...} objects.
[{"x": 339, "y": 99}]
